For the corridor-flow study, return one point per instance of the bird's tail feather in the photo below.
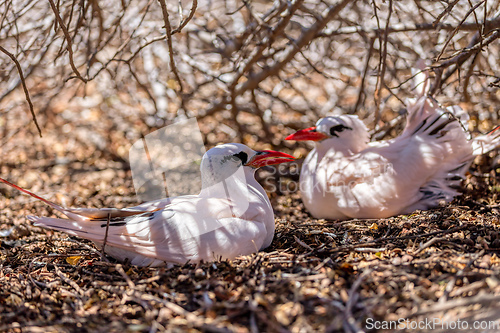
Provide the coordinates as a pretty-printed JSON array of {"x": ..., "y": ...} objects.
[
  {"x": 48, "y": 202},
  {"x": 444, "y": 186},
  {"x": 425, "y": 115},
  {"x": 84, "y": 229},
  {"x": 103, "y": 213},
  {"x": 84, "y": 214},
  {"x": 485, "y": 143},
  {"x": 68, "y": 226},
  {"x": 96, "y": 232},
  {"x": 420, "y": 83},
  {"x": 65, "y": 211}
]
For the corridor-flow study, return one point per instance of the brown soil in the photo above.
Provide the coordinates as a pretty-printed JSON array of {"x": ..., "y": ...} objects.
[{"x": 317, "y": 275}]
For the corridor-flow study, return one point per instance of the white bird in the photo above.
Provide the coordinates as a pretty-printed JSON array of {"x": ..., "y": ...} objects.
[
  {"x": 231, "y": 216},
  {"x": 346, "y": 176}
]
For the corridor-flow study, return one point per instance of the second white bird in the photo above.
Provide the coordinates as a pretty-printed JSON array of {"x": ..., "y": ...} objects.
[{"x": 346, "y": 176}]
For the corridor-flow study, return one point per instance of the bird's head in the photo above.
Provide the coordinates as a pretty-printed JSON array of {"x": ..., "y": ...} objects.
[
  {"x": 223, "y": 161},
  {"x": 346, "y": 131}
]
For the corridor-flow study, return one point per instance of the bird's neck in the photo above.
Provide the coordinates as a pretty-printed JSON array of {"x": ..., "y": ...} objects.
[
  {"x": 340, "y": 148},
  {"x": 235, "y": 186},
  {"x": 255, "y": 187},
  {"x": 239, "y": 191}
]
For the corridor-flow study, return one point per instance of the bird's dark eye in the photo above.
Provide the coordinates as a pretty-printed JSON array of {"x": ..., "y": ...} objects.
[
  {"x": 242, "y": 156},
  {"x": 337, "y": 129}
]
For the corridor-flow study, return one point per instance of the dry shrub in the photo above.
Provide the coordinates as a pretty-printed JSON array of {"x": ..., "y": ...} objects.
[{"x": 255, "y": 65}]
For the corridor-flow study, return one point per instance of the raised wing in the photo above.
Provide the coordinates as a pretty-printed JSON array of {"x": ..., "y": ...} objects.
[{"x": 413, "y": 171}]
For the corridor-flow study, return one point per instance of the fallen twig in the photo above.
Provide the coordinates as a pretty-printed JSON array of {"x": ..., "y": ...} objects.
[
  {"x": 69, "y": 281},
  {"x": 349, "y": 321},
  {"x": 428, "y": 244}
]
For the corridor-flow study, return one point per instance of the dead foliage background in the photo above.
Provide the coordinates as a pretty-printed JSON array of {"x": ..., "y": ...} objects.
[{"x": 92, "y": 77}]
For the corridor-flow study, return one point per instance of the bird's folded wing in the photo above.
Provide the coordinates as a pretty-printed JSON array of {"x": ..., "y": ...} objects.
[
  {"x": 360, "y": 183},
  {"x": 359, "y": 168},
  {"x": 100, "y": 213}
]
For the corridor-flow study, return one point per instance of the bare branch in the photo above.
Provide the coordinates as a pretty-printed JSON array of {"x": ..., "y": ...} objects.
[
  {"x": 363, "y": 79},
  {"x": 170, "y": 47},
  {"x": 444, "y": 12},
  {"x": 306, "y": 37},
  {"x": 382, "y": 66},
  {"x": 186, "y": 21},
  {"x": 69, "y": 42},
  {"x": 25, "y": 88},
  {"x": 472, "y": 10},
  {"x": 459, "y": 59}
]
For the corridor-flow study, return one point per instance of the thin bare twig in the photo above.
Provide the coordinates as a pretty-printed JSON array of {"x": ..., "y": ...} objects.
[
  {"x": 433, "y": 241},
  {"x": 257, "y": 53},
  {"x": 103, "y": 253},
  {"x": 472, "y": 10},
  {"x": 402, "y": 27},
  {"x": 382, "y": 65},
  {"x": 363, "y": 79},
  {"x": 186, "y": 21},
  {"x": 444, "y": 12},
  {"x": 301, "y": 243},
  {"x": 69, "y": 41},
  {"x": 25, "y": 88},
  {"x": 459, "y": 59},
  {"x": 349, "y": 320},
  {"x": 69, "y": 281},
  {"x": 260, "y": 114},
  {"x": 306, "y": 37},
  {"x": 168, "y": 29},
  {"x": 120, "y": 270}
]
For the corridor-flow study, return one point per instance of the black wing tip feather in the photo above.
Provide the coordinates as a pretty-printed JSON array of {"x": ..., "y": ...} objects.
[
  {"x": 434, "y": 124},
  {"x": 121, "y": 221}
]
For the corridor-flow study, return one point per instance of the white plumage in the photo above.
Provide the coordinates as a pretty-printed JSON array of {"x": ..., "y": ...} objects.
[
  {"x": 231, "y": 216},
  {"x": 346, "y": 176}
]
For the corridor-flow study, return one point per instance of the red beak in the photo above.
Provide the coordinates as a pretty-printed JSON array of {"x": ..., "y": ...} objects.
[
  {"x": 308, "y": 134},
  {"x": 269, "y": 157}
]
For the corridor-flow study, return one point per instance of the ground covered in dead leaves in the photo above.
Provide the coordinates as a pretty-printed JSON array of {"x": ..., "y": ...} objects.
[{"x": 317, "y": 275}]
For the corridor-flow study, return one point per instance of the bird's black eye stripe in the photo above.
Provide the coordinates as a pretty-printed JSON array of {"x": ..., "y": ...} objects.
[
  {"x": 242, "y": 156},
  {"x": 338, "y": 128}
]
